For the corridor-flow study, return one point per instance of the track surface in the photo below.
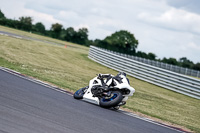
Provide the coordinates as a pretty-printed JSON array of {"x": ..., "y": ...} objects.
[
  {"x": 30, "y": 38},
  {"x": 27, "y": 107}
]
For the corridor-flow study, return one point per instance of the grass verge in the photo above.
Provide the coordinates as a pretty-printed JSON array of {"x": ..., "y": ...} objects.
[{"x": 69, "y": 68}]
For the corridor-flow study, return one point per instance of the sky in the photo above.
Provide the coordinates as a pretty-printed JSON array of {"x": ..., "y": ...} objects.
[{"x": 167, "y": 28}]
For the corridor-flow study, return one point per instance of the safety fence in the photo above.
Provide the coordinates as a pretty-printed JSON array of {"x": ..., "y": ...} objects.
[
  {"x": 174, "y": 68},
  {"x": 158, "y": 76}
]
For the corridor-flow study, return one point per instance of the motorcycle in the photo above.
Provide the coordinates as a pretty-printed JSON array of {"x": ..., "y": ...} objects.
[{"x": 107, "y": 90}]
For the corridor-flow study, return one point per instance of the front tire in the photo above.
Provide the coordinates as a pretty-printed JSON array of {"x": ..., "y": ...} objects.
[
  {"x": 79, "y": 93},
  {"x": 112, "y": 101}
]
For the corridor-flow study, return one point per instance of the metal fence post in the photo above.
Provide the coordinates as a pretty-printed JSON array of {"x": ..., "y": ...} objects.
[
  {"x": 191, "y": 74},
  {"x": 186, "y": 71}
]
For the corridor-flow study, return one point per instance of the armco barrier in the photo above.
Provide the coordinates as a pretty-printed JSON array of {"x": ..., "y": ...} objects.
[
  {"x": 166, "y": 66},
  {"x": 161, "y": 77},
  {"x": 173, "y": 68}
]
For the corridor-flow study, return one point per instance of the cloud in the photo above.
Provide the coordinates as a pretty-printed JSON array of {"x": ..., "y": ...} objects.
[
  {"x": 174, "y": 19},
  {"x": 191, "y": 49},
  {"x": 82, "y": 26},
  {"x": 68, "y": 14},
  {"x": 71, "y": 18},
  {"x": 18, "y": 9},
  {"x": 42, "y": 17},
  {"x": 168, "y": 28},
  {"x": 193, "y": 46},
  {"x": 188, "y": 5}
]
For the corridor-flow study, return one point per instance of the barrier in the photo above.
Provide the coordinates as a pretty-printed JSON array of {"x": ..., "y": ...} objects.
[
  {"x": 158, "y": 76},
  {"x": 166, "y": 66}
]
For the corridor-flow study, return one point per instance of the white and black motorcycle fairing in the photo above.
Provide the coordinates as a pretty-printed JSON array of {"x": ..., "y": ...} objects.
[{"x": 118, "y": 91}]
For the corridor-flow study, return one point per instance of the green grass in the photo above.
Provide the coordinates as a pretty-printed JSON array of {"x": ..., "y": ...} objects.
[
  {"x": 195, "y": 77},
  {"x": 70, "y": 69},
  {"x": 29, "y": 34}
]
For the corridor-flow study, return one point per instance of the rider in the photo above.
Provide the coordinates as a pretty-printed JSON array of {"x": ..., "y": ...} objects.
[{"x": 109, "y": 80}]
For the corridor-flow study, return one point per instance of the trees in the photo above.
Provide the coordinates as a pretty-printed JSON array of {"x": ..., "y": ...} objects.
[
  {"x": 70, "y": 34},
  {"x": 122, "y": 41},
  {"x": 26, "y": 23},
  {"x": 172, "y": 61},
  {"x": 151, "y": 56},
  {"x": 185, "y": 62},
  {"x": 2, "y": 18},
  {"x": 82, "y": 36},
  {"x": 56, "y": 28},
  {"x": 39, "y": 27},
  {"x": 196, "y": 66},
  {"x": 2, "y": 15},
  {"x": 142, "y": 54}
]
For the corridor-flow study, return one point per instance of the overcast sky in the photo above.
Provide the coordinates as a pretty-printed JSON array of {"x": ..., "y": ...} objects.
[{"x": 168, "y": 28}]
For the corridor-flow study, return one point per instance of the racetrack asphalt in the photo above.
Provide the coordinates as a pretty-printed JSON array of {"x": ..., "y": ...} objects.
[
  {"x": 30, "y": 38},
  {"x": 28, "y": 107}
]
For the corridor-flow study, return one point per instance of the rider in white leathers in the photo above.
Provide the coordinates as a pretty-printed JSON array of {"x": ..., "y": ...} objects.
[{"x": 108, "y": 80}]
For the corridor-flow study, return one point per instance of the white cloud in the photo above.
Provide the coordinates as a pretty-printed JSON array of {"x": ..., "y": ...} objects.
[
  {"x": 82, "y": 26},
  {"x": 173, "y": 18},
  {"x": 42, "y": 17},
  {"x": 17, "y": 9},
  {"x": 160, "y": 28},
  {"x": 193, "y": 46},
  {"x": 98, "y": 11},
  {"x": 68, "y": 15}
]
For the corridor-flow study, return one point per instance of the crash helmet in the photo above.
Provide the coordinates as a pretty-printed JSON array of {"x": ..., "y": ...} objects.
[{"x": 122, "y": 73}]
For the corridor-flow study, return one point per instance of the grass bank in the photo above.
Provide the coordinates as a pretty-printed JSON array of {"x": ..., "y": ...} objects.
[{"x": 70, "y": 69}]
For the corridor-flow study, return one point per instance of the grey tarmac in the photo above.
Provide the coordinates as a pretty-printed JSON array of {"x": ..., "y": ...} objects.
[{"x": 28, "y": 107}]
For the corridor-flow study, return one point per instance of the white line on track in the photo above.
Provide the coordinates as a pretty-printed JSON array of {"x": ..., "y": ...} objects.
[{"x": 34, "y": 80}]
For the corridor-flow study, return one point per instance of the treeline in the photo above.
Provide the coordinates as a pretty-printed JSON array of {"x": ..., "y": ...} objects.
[
  {"x": 121, "y": 41},
  {"x": 56, "y": 31},
  {"x": 125, "y": 42}
]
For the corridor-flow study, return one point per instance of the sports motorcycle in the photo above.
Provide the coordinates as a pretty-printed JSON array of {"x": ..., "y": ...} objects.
[{"x": 107, "y": 90}]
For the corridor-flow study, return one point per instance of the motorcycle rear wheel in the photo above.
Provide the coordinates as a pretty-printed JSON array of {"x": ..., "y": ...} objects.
[{"x": 112, "y": 101}]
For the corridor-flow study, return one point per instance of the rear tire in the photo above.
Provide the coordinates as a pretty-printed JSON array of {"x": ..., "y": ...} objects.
[
  {"x": 79, "y": 93},
  {"x": 112, "y": 101}
]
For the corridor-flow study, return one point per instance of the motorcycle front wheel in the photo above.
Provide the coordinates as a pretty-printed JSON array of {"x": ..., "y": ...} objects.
[
  {"x": 113, "y": 100},
  {"x": 79, "y": 93}
]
